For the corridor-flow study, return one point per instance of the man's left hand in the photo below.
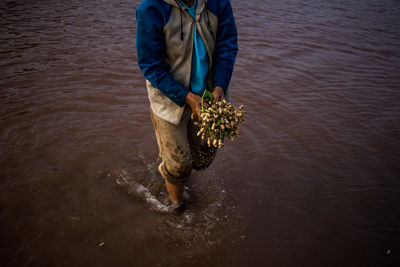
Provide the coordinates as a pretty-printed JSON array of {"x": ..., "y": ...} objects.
[{"x": 218, "y": 94}]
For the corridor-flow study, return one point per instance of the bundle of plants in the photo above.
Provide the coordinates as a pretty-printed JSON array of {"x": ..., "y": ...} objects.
[{"x": 218, "y": 120}]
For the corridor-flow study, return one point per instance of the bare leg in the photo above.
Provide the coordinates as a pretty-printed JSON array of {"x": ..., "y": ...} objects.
[{"x": 175, "y": 192}]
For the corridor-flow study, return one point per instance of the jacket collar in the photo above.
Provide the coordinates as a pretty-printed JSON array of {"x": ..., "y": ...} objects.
[{"x": 199, "y": 8}]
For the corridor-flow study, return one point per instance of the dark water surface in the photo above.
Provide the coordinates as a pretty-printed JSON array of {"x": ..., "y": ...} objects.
[{"x": 314, "y": 179}]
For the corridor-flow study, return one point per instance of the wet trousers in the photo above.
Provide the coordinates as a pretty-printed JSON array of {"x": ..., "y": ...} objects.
[{"x": 181, "y": 150}]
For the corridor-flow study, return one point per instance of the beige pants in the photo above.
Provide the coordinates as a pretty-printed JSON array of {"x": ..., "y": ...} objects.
[{"x": 180, "y": 148}]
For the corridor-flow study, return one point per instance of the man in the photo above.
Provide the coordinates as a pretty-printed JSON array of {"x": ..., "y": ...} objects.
[{"x": 183, "y": 48}]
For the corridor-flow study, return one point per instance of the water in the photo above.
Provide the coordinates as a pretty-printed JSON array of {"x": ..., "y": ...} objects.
[{"x": 313, "y": 179}]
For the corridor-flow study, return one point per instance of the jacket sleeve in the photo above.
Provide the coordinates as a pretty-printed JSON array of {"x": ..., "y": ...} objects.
[
  {"x": 226, "y": 46},
  {"x": 150, "y": 46}
]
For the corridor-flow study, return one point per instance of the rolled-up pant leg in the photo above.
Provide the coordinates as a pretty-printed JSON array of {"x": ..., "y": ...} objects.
[{"x": 173, "y": 145}]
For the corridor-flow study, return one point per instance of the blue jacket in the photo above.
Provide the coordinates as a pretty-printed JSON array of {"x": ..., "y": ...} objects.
[{"x": 164, "y": 42}]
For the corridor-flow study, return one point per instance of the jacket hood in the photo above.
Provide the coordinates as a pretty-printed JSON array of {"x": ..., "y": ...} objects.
[{"x": 199, "y": 8}]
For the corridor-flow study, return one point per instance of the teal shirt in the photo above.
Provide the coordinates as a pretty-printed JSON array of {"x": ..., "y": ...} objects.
[{"x": 199, "y": 58}]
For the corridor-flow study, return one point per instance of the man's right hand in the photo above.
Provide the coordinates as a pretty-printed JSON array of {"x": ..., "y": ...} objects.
[{"x": 194, "y": 102}]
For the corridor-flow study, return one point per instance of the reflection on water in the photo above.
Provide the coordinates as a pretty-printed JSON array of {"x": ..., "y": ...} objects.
[{"x": 312, "y": 180}]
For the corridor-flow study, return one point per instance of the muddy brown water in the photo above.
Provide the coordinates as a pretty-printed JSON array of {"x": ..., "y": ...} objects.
[{"x": 314, "y": 179}]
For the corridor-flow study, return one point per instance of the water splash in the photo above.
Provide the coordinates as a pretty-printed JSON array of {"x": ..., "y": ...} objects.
[
  {"x": 143, "y": 193},
  {"x": 209, "y": 210}
]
